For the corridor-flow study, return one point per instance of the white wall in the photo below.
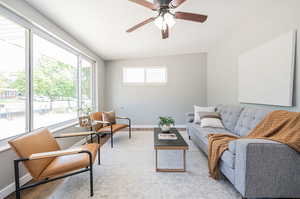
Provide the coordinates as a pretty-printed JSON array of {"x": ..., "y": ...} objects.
[
  {"x": 186, "y": 86},
  {"x": 222, "y": 69},
  {"x": 32, "y": 15}
]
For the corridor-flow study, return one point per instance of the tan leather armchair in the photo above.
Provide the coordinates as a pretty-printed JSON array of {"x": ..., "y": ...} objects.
[
  {"x": 100, "y": 126},
  {"x": 46, "y": 162},
  {"x": 83, "y": 134}
]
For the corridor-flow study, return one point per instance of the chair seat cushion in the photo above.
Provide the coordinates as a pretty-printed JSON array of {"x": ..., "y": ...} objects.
[
  {"x": 68, "y": 163},
  {"x": 210, "y": 130},
  {"x": 115, "y": 127}
]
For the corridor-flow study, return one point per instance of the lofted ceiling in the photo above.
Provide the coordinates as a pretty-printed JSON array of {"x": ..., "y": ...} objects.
[{"x": 101, "y": 25}]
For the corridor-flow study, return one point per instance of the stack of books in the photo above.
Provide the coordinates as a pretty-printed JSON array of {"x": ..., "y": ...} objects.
[{"x": 165, "y": 136}]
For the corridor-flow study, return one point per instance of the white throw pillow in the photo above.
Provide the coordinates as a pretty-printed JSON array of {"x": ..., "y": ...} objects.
[
  {"x": 211, "y": 122},
  {"x": 201, "y": 109}
]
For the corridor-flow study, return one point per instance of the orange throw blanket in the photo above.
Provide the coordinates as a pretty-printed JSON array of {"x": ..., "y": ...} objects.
[{"x": 280, "y": 126}]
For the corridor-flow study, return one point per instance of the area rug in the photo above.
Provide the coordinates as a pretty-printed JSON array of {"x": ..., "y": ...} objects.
[{"x": 128, "y": 172}]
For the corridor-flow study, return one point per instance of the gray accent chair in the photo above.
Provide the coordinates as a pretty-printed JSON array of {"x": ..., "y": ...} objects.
[{"x": 257, "y": 168}]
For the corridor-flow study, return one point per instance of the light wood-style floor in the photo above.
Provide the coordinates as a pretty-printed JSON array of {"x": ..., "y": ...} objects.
[{"x": 45, "y": 190}]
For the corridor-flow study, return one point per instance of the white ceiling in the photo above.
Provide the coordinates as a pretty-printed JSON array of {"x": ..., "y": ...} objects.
[{"x": 101, "y": 25}]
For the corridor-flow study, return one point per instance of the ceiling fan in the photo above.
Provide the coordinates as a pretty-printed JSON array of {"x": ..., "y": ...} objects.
[{"x": 165, "y": 18}]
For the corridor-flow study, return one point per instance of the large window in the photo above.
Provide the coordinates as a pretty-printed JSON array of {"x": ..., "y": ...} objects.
[
  {"x": 54, "y": 84},
  {"x": 43, "y": 81},
  {"x": 12, "y": 79},
  {"x": 144, "y": 76}
]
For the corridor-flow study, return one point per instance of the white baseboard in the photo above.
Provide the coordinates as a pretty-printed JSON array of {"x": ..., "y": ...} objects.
[
  {"x": 154, "y": 126},
  {"x": 26, "y": 178},
  {"x": 11, "y": 187}
]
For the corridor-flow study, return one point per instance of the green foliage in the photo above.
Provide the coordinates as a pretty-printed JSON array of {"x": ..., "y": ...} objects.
[
  {"x": 20, "y": 83},
  {"x": 86, "y": 82},
  {"x": 166, "y": 121},
  {"x": 51, "y": 78},
  {"x": 54, "y": 79},
  {"x": 3, "y": 81}
]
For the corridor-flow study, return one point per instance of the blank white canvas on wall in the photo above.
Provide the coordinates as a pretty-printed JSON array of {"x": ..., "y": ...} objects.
[{"x": 266, "y": 74}]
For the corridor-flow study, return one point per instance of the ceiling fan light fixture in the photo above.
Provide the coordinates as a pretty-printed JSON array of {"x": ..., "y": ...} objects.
[
  {"x": 164, "y": 20},
  {"x": 166, "y": 15}
]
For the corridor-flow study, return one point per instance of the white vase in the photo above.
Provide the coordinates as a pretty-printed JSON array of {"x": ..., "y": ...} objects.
[{"x": 165, "y": 128}]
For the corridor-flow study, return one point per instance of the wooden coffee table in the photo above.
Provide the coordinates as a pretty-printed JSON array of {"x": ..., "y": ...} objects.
[{"x": 178, "y": 144}]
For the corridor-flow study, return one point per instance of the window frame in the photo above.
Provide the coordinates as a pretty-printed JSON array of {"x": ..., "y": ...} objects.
[
  {"x": 93, "y": 82},
  {"x": 145, "y": 82},
  {"x": 157, "y": 83},
  {"x": 30, "y": 30},
  {"x": 132, "y": 83},
  {"x": 50, "y": 39}
]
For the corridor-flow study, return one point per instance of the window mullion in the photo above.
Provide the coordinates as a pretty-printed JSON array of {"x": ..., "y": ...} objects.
[
  {"x": 79, "y": 104},
  {"x": 93, "y": 89},
  {"x": 145, "y": 76},
  {"x": 29, "y": 91}
]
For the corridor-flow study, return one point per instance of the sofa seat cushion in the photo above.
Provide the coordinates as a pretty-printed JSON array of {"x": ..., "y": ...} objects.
[
  {"x": 202, "y": 133},
  {"x": 248, "y": 120},
  {"x": 228, "y": 158},
  {"x": 227, "y": 171},
  {"x": 229, "y": 115},
  {"x": 209, "y": 130}
]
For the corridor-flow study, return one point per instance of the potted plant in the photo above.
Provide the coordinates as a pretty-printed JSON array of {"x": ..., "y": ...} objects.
[
  {"x": 84, "y": 118},
  {"x": 85, "y": 110},
  {"x": 165, "y": 123}
]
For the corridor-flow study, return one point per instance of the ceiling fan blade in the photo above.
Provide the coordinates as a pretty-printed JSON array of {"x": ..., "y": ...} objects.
[
  {"x": 191, "y": 16},
  {"x": 146, "y": 4},
  {"x": 176, "y": 3},
  {"x": 141, "y": 24},
  {"x": 165, "y": 33}
]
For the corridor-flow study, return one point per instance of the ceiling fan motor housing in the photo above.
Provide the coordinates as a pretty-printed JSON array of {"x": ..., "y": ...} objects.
[{"x": 163, "y": 2}]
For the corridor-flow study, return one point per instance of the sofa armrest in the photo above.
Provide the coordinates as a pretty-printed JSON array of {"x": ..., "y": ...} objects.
[
  {"x": 189, "y": 117},
  {"x": 265, "y": 168}
]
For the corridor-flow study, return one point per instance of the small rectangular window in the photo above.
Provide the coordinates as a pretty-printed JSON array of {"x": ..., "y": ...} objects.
[
  {"x": 145, "y": 76},
  {"x": 156, "y": 75},
  {"x": 134, "y": 75}
]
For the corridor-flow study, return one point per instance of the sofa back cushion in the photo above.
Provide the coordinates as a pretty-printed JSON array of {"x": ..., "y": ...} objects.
[
  {"x": 248, "y": 120},
  {"x": 229, "y": 115}
]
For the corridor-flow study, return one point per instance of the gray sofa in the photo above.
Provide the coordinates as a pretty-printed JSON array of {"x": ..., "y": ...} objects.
[{"x": 257, "y": 168}]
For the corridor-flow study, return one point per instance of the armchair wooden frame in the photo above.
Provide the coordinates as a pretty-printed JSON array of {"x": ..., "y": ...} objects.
[
  {"x": 84, "y": 134},
  {"x": 47, "y": 155},
  {"x": 111, "y": 131}
]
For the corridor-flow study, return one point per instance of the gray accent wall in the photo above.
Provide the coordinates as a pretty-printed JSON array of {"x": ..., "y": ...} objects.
[
  {"x": 186, "y": 86},
  {"x": 222, "y": 69}
]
